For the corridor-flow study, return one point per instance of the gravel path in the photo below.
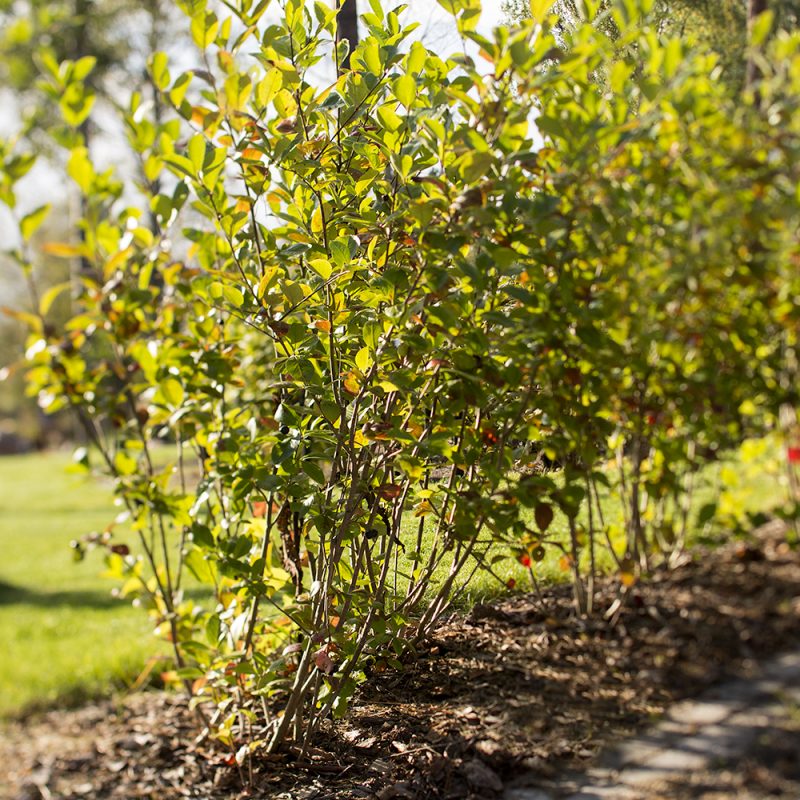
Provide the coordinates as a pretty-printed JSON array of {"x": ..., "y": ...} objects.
[{"x": 740, "y": 739}]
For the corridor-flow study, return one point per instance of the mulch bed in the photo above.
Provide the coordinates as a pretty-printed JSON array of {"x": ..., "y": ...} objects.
[{"x": 513, "y": 688}]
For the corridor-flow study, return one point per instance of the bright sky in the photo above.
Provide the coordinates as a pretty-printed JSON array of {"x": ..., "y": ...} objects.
[{"x": 436, "y": 25}]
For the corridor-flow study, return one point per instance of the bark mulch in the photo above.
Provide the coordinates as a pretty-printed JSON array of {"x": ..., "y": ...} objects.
[{"x": 513, "y": 687}]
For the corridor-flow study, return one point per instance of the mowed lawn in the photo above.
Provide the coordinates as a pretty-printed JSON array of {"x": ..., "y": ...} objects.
[{"x": 64, "y": 638}]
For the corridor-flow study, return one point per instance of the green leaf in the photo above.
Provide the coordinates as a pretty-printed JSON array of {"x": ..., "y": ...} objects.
[
  {"x": 124, "y": 464},
  {"x": 340, "y": 252},
  {"x": 197, "y": 151},
  {"x": 178, "y": 90},
  {"x": 159, "y": 70},
  {"x": 285, "y": 104},
  {"x": 268, "y": 87},
  {"x": 372, "y": 57},
  {"x": 19, "y": 166},
  {"x": 389, "y": 119},
  {"x": 204, "y": 29},
  {"x": 76, "y": 104},
  {"x": 50, "y": 296},
  {"x": 172, "y": 391},
  {"x": 80, "y": 169},
  {"x": 314, "y": 471},
  {"x": 761, "y": 28},
  {"x": 231, "y": 294},
  {"x": 540, "y": 9},
  {"x": 416, "y": 58},
  {"x": 202, "y": 536},
  {"x": 237, "y": 91},
  {"x": 706, "y": 513},
  {"x": 202, "y": 568},
  {"x": 82, "y": 67},
  {"x": 405, "y": 90},
  {"x": 30, "y": 223},
  {"x": 474, "y": 165}
]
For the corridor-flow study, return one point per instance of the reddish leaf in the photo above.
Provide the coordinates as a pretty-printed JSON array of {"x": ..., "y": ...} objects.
[
  {"x": 489, "y": 436},
  {"x": 286, "y": 125},
  {"x": 278, "y": 327},
  {"x": 324, "y": 662},
  {"x": 543, "y": 514}
]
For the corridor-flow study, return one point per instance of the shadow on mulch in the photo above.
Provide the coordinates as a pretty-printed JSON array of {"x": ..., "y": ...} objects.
[{"x": 512, "y": 688}]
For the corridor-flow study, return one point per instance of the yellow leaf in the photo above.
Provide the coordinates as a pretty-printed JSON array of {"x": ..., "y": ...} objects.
[
  {"x": 30, "y": 222},
  {"x": 423, "y": 508},
  {"x": 322, "y": 267},
  {"x": 63, "y": 250},
  {"x": 285, "y": 104},
  {"x": 49, "y": 297},
  {"x": 363, "y": 359}
]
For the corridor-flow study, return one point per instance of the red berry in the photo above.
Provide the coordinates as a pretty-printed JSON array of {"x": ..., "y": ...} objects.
[
  {"x": 793, "y": 454},
  {"x": 525, "y": 560},
  {"x": 511, "y": 583}
]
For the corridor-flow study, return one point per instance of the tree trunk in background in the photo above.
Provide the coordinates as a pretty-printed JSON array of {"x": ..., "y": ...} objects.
[
  {"x": 155, "y": 37},
  {"x": 754, "y": 8},
  {"x": 347, "y": 28},
  {"x": 81, "y": 48}
]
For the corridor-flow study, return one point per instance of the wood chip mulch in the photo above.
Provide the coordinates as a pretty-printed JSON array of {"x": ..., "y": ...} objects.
[{"x": 513, "y": 687}]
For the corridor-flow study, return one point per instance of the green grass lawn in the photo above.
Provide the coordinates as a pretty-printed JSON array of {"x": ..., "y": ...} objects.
[{"x": 65, "y": 638}]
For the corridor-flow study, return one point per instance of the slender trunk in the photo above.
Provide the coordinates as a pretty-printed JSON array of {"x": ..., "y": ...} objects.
[
  {"x": 754, "y": 9},
  {"x": 347, "y": 28},
  {"x": 154, "y": 40},
  {"x": 82, "y": 10}
]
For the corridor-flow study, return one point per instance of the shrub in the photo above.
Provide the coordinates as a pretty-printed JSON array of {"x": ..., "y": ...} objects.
[{"x": 354, "y": 307}]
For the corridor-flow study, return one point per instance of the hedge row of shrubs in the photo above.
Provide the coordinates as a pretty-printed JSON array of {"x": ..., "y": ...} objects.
[{"x": 358, "y": 307}]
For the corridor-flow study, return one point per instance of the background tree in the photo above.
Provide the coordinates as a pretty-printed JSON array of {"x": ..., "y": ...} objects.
[
  {"x": 721, "y": 25},
  {"x": 112, "y": 40}
]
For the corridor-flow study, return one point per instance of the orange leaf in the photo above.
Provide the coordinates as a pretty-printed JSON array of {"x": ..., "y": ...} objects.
[
  {"x": 628, "y": 579},
  {"x": 351, "y": 383}
]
